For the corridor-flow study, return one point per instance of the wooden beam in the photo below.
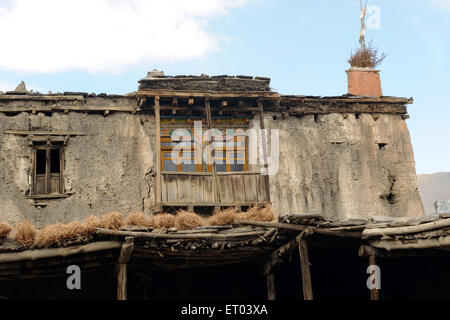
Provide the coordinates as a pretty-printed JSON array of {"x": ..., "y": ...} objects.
[
  {"x": 33, "y": 255},
  {"x": 215, "y": 95},
  {"x": 107, "y": 232},
  {"x": 158, "y": 151},
  {"x": 306, "y": 274},
  {"x": 296, "y": 227},
  {"x": 124, "y": 258},
  {"x": 368, "y": 233}
]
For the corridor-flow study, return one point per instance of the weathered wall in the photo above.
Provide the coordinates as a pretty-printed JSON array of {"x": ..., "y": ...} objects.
[
  {"x": 336, "y": 165},
  {"x": 341, "y": 168},
  {"x": 104, "y": 170}
]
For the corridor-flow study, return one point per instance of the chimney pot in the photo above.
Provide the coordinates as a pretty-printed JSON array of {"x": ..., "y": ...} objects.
[{"x": 364, "y": 82}]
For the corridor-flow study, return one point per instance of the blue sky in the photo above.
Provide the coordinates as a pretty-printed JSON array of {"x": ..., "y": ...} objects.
[{"x": 302, "y": 45}]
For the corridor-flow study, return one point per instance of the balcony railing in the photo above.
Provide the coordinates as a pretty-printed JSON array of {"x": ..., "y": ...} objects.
[{"x": 201, "y": 189}]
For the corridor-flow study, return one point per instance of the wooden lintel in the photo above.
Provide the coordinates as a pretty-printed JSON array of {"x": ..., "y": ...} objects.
[{"x": 213, "y": 95}]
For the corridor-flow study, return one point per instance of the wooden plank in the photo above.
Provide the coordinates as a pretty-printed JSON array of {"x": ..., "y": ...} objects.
[
  {"x": 172, "y": 188},
  {"x": 55, "y": 180},
  {"x": 306, "y": 274},
  {"x": 237, "y": 185},
  {"x": 183, "y": 188},
  {"x": 164, "y": 194},
  {"x": 250, "y": 187},
  {"x": 226, "y": 190},
  {"x": 261, "y": 188}
]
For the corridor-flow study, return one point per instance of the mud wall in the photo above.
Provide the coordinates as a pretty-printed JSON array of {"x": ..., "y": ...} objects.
[
  {"x": 104, "y": 171},
  {"x": 345, "y": 166},
  {"x": 340, "y": 165}
]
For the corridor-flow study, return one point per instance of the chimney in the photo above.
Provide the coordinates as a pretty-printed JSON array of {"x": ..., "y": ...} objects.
[{"x": 364, "y": 82}]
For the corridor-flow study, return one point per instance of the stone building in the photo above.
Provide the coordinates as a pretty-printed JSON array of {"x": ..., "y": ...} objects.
[
  {"x": 339, "y": 171},
  {"x": 67, "y": 156}
]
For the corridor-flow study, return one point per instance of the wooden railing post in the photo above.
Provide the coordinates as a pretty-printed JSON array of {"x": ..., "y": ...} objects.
[{"x": 124, "y": 258}]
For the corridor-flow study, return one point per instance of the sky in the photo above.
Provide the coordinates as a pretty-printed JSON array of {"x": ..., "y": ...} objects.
[{"x": 303, "y": 46}]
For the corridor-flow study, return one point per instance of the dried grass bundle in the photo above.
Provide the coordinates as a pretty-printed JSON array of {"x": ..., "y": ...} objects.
[
  {"x": 25, "y": 233},
  {"x": 163, "y": 220},
  {"x": 49, "y": 235},
  {"x": 188, "y": 220},
  {"x": 264, "y": 213},
  {"x": 73, "y": 230},
  {"x": 91, "y": 224},
  {"x": 223, "y": 218},
  {"x": 139, "y": 219},
  {"x": 113, "y": 221},
  {"x": 5, "y": 229}
]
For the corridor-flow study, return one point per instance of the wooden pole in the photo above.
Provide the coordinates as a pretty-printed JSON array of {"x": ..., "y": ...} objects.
[
  {"x": 215, "y": 178},
  {"x": 124, "y": 258},
  {"x": 374, "y": 294},
  {"x": 271, "y": 292},
  {"x": 306, "y": 275},
  {"x": 158, "y": 151},
  {"x": 264, "y": 147}
]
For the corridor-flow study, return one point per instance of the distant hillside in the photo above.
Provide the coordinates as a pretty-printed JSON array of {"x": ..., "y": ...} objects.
[{"x": 433, "y": 187}]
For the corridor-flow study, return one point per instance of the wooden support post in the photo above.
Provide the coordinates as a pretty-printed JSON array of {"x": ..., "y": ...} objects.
[
  {"x": 270, "y": 279},
  {"x": 271, "y": 292},
  {"x": 158, "y": 151},
  {"x": 124, "y": 258},
  {"x": 264, "y": 146},
  {"x": 215, "y": 178},
  {"x": 374, "y": 294},
  {"x": 306, "y": 275}
]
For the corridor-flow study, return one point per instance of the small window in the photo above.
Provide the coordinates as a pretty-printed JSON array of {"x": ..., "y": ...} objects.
[{"x": 48, "y": 167}]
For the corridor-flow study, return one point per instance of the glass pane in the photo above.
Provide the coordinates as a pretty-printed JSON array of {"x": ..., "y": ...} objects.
[
  {"x": 188, "y": 167},
  {"x": 221, "y": 167},
  {"x": 169, "y": 166},
  {"x": 236, "y": 167},
  {"x": 41, "y": 157}
]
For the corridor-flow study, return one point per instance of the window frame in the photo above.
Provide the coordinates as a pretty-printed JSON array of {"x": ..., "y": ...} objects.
[
  {"x": 48, "y": 146},
  {"x": 204, "y": 167}
]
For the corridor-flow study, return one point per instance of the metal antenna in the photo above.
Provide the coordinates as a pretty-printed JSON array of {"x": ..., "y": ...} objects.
[{"x": 362, "y": 39}]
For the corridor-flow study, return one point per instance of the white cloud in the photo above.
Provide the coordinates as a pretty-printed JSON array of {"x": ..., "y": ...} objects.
[
  {"x": 7, "y": 86},
  {"x": 442, "y": 3},
  {"x": 105, "y": 35}
]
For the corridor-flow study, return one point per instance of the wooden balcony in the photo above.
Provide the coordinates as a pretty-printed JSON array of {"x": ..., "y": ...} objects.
[{"x": 205, "y": 189}]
